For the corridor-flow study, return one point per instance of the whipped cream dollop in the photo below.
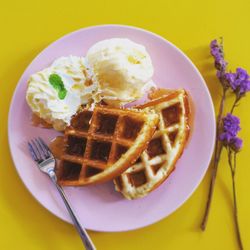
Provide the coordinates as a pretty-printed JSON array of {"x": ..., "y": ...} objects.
[
  {"x": 43, "y": 98},
  {"x": 121, "y": 68}
]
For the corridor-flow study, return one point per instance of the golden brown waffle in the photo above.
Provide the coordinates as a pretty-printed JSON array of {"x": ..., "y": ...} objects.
[
  {"x": 101, "y": 144},
  {"x": 165, "y": 148}
]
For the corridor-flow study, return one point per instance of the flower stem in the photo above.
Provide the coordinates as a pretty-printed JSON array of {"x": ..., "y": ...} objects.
[
  {"x": 218, "y": 149},
  {"x": 234, "y": 104},
  {"x": 233, "y": 171}
]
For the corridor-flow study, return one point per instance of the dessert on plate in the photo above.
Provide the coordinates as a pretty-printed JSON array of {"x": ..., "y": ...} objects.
[
  {"x": 57, "y": 92},
  {"x": 85, "y": 98},
  {"x": 117, "y": 71},
  {"x": 122, "y": 69},
  {"x": 165, "y": 148},
  {"x": 101, "y": 144}
]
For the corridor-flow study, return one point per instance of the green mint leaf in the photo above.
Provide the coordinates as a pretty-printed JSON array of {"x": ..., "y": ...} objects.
[
  {"x": 62, "y": 93},
  {"x": 57, "y": 83}
]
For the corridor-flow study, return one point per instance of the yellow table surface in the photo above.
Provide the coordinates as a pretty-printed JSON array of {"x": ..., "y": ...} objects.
[{"x": 27, "y": 27}]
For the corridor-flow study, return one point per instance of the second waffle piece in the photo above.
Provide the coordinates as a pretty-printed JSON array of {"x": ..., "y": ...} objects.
[
  {"x": 101, "y": 144},
  {"x": 159, "y": 159}
]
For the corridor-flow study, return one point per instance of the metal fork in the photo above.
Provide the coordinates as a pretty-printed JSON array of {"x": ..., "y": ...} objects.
[{"x": 46, "y": 162}]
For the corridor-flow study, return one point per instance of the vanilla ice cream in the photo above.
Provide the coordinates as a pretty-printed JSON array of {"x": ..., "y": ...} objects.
[
  {"x": 57, "y": 92},
  {"x": 121, "y": 68}
]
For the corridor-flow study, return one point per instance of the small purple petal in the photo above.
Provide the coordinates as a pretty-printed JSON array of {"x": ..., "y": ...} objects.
[
  {"x": 238, "y": 81},
  {"x": 242, "y": 74},
  {"x": 231, "y": 126},
  {"x": 236, "y": 143},
  {"x": 213, "y": 43},
  {"x": 216, "y": 51},
  {"x": 225, "y": 137},
  {"x": 230, "y": 77}
]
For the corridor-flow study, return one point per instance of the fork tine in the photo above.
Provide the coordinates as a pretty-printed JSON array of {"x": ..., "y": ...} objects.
[
  {"x": 43, "y": 150},
  {"x": 36, "y": 149},
  {"x": 45, "y": 146},
  {"x": 32, "y": 152}
]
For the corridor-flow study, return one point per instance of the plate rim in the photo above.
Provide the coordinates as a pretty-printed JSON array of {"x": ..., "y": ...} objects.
[{"x": 11, "y": 107}]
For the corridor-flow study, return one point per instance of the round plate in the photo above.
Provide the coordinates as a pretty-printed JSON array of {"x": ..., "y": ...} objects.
[{"x": 99, "y": 207}]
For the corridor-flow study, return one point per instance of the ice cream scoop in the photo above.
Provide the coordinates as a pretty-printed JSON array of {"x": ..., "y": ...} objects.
[
  {"x": 122, "y": 70},
  {"x": 56, "y": 93}
]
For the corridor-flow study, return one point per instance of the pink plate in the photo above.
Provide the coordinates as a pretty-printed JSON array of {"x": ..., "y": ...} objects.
[{"x": 99, "y": 207}]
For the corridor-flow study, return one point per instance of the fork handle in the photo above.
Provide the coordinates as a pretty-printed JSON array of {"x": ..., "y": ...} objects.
[{"x": 82, "y": 232}]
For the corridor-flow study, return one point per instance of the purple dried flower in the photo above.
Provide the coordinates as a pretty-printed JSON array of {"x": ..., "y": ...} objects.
[
  {"x": 242, "y": 74},
  {"x": 225, "y": 137},
  {"x": 231, "y": 124},
  {"x": 236, "y": 143},
  {"x": 216, "y": 51},
  {"x": 238, "y": 81},
  {"x": 230, "y": 77},
  {"x": 231, "y": 127}
]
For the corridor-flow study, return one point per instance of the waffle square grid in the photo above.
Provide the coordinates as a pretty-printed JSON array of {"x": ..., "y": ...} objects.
[{"x": 96, "y": 140}]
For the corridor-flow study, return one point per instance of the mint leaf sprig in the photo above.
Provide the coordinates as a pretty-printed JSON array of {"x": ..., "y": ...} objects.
[{"x": 57, "y": 83}]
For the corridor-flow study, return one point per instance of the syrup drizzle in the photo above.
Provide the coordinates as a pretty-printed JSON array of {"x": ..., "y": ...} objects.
[
  {"x": 157, "y": 93},
  {"x": 57, "y": 147},
  {"x": 39, "y": 122}
]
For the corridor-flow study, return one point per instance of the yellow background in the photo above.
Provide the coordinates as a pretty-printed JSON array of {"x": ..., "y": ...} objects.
[{"x": 27, "y": 27}]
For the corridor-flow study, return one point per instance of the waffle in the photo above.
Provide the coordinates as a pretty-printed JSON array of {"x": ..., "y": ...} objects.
[
  {"x": 101, "y": 144},
  {"x": 165, "y": 148}
]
